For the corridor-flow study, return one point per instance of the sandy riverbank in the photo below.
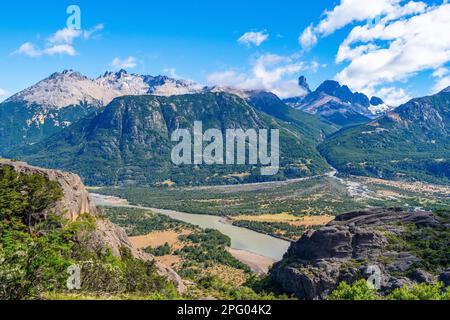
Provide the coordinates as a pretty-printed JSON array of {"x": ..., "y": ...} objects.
[{"x": 258, "y": 264}]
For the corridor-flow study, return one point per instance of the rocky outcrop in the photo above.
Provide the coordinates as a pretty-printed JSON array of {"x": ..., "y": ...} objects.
[
  {"x": 445, "y": 277},
  {"x": 356, "y": 245},
  {"x": 77, "y": 201}
]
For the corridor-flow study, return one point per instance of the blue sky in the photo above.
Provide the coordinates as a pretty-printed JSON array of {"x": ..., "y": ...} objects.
[{"x": 250, "y": 44}]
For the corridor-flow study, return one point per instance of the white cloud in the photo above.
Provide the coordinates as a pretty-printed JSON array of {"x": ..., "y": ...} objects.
[
  {"x": 392, "y": 96},
  {"x": 90, "y": 33},
  {"x": 3, "y": 93},
  {"x": 60, "y": 49},
  {"x": 395, "y": 51},
  {"x": 442, "y": 76},
  {"x": 227, "y": 78},
  {"x": 255, "y": 38},
  {"x": 30, "y": 50},
  {"x": 440, "y": 72},
  {"x": 350, "y": 11},
  {"x": 128, "y": 63},
  {"x": 59, "y": 43},
  {"x": 391, "y": 41},
  {"x": 308, "y": 39},
  {"x": 268, "y": 72},
  {"x": 64, "y": 36},
  {"x": 172, "y": 73},
  {"x": 441, "y": 84}
]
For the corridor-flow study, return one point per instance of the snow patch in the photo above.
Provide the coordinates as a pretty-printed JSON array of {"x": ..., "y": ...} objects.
[{"x": 379, "y": 109}]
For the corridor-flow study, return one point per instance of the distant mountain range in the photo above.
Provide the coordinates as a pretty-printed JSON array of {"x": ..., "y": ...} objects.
[
  {"x": 411, "y": 142},
  {"x": 64, "y": 98},
  {"x": 128, "y": 142},
  {"x": 338, "y": 104},
  {"x": 116, "y": 129}
]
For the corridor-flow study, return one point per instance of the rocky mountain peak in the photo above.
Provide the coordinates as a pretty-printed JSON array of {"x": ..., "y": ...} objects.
[
  {"x": 60, "y": 90},
  {"x": 303, "y": 83},
  {"x": 375, "y": 101},
  {"x": 334, "y": 88},
  {"x": 378, "y": 107},
  {"x": 121, "y": 73},
  {"x": 330, "y": 87},
  {"x": 66, "y": 74}
]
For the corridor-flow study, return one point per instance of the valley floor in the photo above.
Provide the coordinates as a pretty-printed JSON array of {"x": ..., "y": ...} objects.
[
  {"x": 287, "y": 209},
  {"x": 284, "y": 210}
]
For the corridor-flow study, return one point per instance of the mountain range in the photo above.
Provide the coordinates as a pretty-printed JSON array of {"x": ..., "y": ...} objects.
[
  {"x": 337, "y": 103},
  {"x": 410, "y": 142},
  {"x": 128, "y": 142},
  {"x": 115, "y": 129},
  {"x": 64, "y": 98}
]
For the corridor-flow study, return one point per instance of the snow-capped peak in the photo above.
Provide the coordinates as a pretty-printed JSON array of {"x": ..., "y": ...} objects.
[
  {"x": 123, "y": 83},
  {"x": 69, "y": 88},
  {"x": 165, "y": 86},
  {"x": 378, "y": 107},
  {"x": 243, "y": 94},
  {"x": 63, "y": 89}
]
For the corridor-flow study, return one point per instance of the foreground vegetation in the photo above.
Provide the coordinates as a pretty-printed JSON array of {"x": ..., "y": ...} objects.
[
  {"x": 202, "y": 257},
  {"x": 360, "y": 290},
  {"x": 36, "y": 250}
]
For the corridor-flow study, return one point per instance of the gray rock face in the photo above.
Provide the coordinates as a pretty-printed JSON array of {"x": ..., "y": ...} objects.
[
  {"x": 421, "y": 276},
  {"x": 348, "y": 249},
  {"x": 445, "y": 277},
  {"x": 77, "y": 201}
]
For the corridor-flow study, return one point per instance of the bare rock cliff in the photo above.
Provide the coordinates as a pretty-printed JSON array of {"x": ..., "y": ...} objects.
[
  {"x": 348, "y": 248},
  {"x": 77, "y": 201}
]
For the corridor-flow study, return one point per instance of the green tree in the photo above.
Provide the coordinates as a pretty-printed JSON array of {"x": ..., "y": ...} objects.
[
  {"x": 358, "y": 291},
  {"x": 421, "y": 292}
]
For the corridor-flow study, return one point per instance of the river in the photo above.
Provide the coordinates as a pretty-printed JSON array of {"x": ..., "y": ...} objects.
[{"x": 242, "y": 239}]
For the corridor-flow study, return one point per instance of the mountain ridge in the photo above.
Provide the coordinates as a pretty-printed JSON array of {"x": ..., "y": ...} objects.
[
  {"x": 129, "y": 141},
  {"x": 338, "y": 104},
  {"x": 63, "y": 98},
  {"x": 412, "y": 142}
]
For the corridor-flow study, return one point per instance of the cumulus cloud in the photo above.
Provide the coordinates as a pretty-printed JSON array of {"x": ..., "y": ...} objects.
[
  {"x": 3, "y": 93},
  {"x": 391, "y": 41},
  {"x": 253, "y": 38},
  {"x": 269, "y": 72},
  {"x": 442, "y": 76},
  {"x": 128, "y": 63},
  {"x": 64, "y": 36},
  {"x": 60, "y": 49},
  {"x": 351, "y": 11},
  {"x": 93, "y": 32},
  {"x": 395, "y": 51},
  {"x": 391, "y": 95},
  {"x": 30, "y": 50},
  {"x": 308, "y": 39},
  {"x": 59, "y": 43}
]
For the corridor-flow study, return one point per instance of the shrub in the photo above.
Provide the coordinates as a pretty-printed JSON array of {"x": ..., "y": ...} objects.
[
  {"x": 421, "y": 292},
  {"x": 358, "y": 291}
]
